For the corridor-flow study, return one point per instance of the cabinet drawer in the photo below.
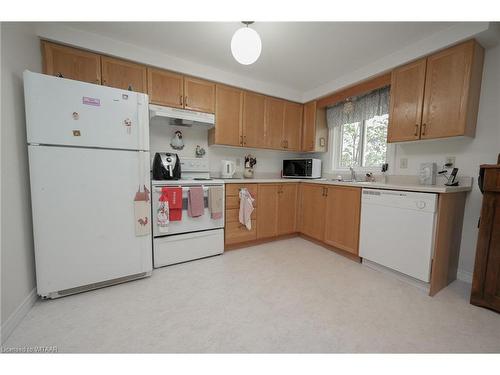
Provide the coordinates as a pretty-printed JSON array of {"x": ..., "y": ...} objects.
[
  {"x": 236, "y": 232},
  {"x": 234, "y": 189},
  {"x": 233, "y": 201},
  {"x": 232, "y": 215}
]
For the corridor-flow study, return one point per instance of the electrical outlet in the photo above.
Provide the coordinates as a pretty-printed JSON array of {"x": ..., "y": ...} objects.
[
  {"x": 450, "y": 160},
  {"x": 403, "y": 163}
]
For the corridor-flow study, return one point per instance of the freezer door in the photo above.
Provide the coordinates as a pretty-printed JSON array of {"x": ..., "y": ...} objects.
[
  {"x": 83, "y": 216},
  {"x": 65, "y": 112}
]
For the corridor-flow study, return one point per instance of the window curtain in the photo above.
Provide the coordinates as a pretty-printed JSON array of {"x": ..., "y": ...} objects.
[{"x": 375, "y": 103}]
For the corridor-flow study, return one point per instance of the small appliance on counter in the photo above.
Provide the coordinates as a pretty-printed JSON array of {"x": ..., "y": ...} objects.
[
  {"x": 166, "y": 166},
  {"x": 228, "y": 169},
  {"x": 302, "y": 168}
]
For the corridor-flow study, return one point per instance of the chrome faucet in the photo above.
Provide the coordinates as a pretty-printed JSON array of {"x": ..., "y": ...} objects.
[{"x": 353, "y": 174}]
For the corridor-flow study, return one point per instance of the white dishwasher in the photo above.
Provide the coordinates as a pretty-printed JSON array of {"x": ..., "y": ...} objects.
[{"x": 397, "y": 230}]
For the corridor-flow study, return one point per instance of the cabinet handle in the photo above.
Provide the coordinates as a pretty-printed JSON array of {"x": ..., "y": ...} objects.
[
  {"x": 241, "y": 140},
  {"x": 185, "y": 101},
  {"x": 130, "y": 88},
  {"x": 424, "y": 126},
  {"x": 244, "y": 139},
  {"x": 180, "y": 100},
  {"x": 416, "y": 130}
]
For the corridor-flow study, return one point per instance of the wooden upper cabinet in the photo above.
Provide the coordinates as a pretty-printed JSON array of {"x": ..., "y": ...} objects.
[
  {"x": 293, "y": 126},
  {"x": 274, "y": 121},
  {"x": 199, "y": 95},
  {"x": 314, "y": 128},
  {"x": 343, "y": 212},
  {"x": 309, "y": 126},
  {"x": 71, "y": 63},
  {"x": 287, "y": 208},
  {"x": 452, "y": 88},
  {"x": 123, "y": 74},
  {"x": 312, "y": 210},
  {"x": 165, "y": 88},
  {"x": 253, "y": 119},
  {"x": 407, "y": 97},
  {"x": 228, "y": 117}
]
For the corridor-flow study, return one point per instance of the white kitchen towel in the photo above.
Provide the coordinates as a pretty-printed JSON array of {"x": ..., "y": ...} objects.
[
  {"x": 163, "y": 216},
  {"x": 246, "y": 208}
]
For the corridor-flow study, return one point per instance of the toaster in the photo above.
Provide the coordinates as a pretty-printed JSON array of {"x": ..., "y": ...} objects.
[{"x": 166, "y": 166}]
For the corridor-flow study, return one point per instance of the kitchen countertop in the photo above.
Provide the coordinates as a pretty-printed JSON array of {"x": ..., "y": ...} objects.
[{"x": 465, "y": 184}]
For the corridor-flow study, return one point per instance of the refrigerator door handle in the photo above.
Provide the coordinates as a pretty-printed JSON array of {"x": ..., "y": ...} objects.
[{"x": 143, "y": 121}]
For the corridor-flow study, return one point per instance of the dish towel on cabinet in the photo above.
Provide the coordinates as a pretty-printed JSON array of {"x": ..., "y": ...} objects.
[
  {"x": 196, "y": 202},
  {"x": 215, "y": 201},
  {"x": 246, "y": 208}
]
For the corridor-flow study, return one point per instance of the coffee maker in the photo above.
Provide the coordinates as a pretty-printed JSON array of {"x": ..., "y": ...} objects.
[{"x": 166, "y": 166}]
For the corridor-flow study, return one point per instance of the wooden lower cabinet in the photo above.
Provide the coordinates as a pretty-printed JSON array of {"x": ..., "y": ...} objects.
[
  {"x": 486, "y": 279},
  {"x": 312, "y": 210},
  {"x": 277, "y": 210},
  {"x": 267, "y": 218},
  {"x": 234, "y": 232},
  {"x": 343, "y": 211},
  {"x": 287, "y": 209}
]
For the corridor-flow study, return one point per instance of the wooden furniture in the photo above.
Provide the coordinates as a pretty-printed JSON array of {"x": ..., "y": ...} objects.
[
  {"x": 123, "y": 74},
  {"x": 277, "y": 210},
  {"x": 199, "y": 95},
  {"x": 235, "y": 232},
  {"x": 253, "y": 120},
  {"x": 292, "y": 127},
  {"x": 274, "y": 123},
  {"x": 312, "y": 210},
  {"x": 438, "y": 96},
  {"x": 165, "y": 88},
  {"x": 343, "y": 212},
  {"x": 72, "y": 63},
  {"x": 486, "y": 279},
  {"x": 228, "y": 117},
  {"x": 314, "y": 128},
  {"x": 178, "y": 91}
]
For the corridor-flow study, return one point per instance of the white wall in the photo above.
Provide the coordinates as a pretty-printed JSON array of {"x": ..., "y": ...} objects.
[
  {"x": 268, "y": 161},
  {"x": 20, "y": 50},
  {"x": 469, "y": 152}
]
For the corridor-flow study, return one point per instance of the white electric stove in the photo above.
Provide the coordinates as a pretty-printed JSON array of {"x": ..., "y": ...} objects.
[{"x": 191, "y": 237}]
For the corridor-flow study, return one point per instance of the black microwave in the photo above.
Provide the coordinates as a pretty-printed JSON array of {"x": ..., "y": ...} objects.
[{"x": 302, "y": 168}]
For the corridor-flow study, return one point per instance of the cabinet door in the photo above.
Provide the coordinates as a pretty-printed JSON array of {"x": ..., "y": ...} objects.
[
  {"x": 343, "y": 211},
  {"x": 293, "y": 126},
  {"x": 228, "y": 116},
  {"x": 253, "y": 119},
  {"x": 492, "y": 277},
  {"x": 446, "y": 92},
  {"x": 407, "y": 97},
  {"x": 309, "y": 126},
  {"x": 71, "y": 63},
  {"x": 199, "y": 95},
  {"x": 312, "y": 211},
  {"x": 275, "y": 116},
  {"x": 287, "y": 208},
  {"x": 267, "y": 214},
  {"x": 123, "y": 74},
  {"x": 165, "y": 88}
]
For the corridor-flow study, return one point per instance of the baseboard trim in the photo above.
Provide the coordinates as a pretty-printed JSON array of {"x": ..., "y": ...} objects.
[
  {"x": 17, "y": 316},
  {"x": 464, "y": 276}
]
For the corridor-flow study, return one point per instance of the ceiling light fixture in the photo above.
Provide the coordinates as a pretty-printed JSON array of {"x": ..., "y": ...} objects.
[{"x": 246, "y": 45}]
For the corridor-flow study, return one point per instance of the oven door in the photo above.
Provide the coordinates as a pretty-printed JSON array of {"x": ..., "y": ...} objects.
[{"x": 186, "y": 224}]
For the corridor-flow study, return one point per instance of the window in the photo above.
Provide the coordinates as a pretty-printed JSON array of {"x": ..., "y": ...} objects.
[{"x": 358, "y": 132}]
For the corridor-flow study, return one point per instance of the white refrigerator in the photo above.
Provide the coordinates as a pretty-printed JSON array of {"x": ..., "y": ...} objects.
[{"x": 88, "y": 151}]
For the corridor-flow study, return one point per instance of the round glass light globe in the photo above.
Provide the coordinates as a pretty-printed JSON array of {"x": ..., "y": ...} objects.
[{"x": 246, "y": 46}]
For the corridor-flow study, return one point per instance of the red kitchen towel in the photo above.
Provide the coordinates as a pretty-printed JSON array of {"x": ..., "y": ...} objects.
[
  {"x": 174, "y": 197},
  {"x": 196, "y": 202}
]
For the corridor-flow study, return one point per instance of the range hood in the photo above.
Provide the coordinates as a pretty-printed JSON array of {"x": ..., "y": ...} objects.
[{"x": 182, "y": 117}]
